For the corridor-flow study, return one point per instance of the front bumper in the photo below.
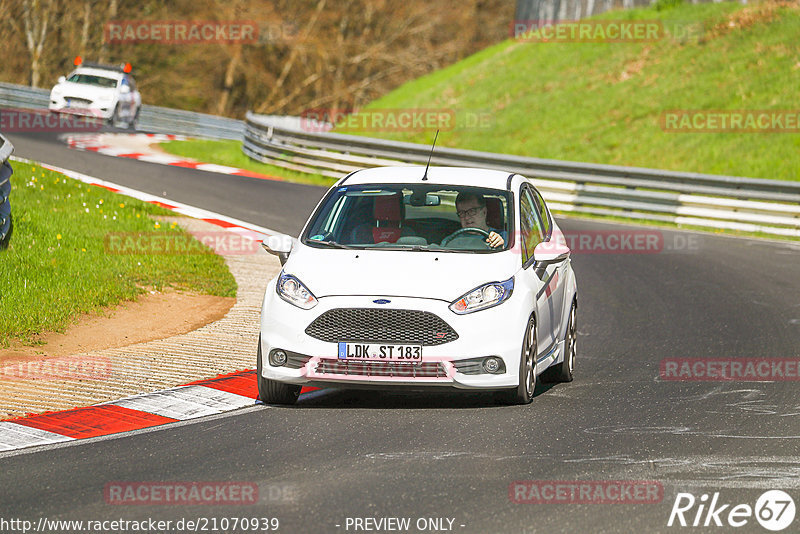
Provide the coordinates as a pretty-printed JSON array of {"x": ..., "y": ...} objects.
[
  {"x": 495, "y": 332},
  {"x": 100, "y": 110}
]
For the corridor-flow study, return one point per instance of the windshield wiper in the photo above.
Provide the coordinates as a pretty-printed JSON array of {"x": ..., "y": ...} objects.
[{"x": 331, "y": 244}]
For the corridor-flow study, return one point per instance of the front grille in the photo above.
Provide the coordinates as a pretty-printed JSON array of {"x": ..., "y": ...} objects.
[
  {"x": 329, "y": 366},
  {"x": 371, "y": 325},
  {"x": 78, "y": 101}
]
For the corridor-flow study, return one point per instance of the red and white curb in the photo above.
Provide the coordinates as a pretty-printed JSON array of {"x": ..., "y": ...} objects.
[
  {"x": 193, "y": 400},
  {"x": 137, "y": 146},
  {"x": 196, "y": 399}
]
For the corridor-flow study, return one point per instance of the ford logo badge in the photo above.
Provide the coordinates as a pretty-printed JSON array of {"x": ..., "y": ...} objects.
[{"x": 382, "y": 301}]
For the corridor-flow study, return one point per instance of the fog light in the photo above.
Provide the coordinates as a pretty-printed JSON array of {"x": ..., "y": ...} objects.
[
  {"x": 277, "y": 358},
  {"x": 493, "y": 365}
]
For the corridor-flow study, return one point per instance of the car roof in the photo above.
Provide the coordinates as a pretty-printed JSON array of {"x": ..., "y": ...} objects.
[
  {"x": 99, "y": 72},
  {"x": 436, "y": 175}
]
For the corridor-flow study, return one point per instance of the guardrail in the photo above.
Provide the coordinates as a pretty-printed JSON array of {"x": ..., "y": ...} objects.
[
  {"x": 703, "y": 200},
  {"x": 151, "y": 118},
  {"x": 5, "y": 191}
]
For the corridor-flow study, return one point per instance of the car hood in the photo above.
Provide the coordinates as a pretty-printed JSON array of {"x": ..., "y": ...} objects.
[
  {"x": 83, "y": 90},
  {"x": 444, "y": 276}
]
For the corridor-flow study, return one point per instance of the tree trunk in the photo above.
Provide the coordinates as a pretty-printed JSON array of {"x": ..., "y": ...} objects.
[
  {"x": 227, "y": 88},
  {"x": 87, "y": 12},
  {"x": 113, "y": 7},
  {"x": 36, "y": 19}
]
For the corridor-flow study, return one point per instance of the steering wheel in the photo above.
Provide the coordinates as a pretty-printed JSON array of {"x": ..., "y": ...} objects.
[{"x": 469, "y": 229}]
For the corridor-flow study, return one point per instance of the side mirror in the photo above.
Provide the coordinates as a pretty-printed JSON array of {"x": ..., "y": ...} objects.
[
  {"x": 548, "y": 252},
  {"x": 279, "y": 245},
  {"x": 125, "y": 89},
  {"x": 62, "y": 79}
]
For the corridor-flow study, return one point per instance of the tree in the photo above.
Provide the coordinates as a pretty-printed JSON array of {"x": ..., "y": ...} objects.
[{"x": 37, "y": 22}]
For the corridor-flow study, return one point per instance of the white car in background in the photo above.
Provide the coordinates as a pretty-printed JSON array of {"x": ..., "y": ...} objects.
[
  {"x": 385, "y": 288},
  {"x": 102, "y": 91}
]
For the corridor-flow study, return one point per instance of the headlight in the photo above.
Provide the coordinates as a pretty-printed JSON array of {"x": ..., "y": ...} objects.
[
  {"x": 56, "y": 91},
  {"x": 294, "y": 292},
  {"x": 483, "y": 297}
]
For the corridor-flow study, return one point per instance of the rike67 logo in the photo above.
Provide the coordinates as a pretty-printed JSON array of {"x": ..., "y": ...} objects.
[{"x": 774, "y": 510}]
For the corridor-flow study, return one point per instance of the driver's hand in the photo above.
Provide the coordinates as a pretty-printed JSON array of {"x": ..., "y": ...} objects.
[{"x": 495, "y": 240}]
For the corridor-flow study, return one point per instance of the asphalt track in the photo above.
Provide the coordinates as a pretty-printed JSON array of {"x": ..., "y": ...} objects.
[{"x": 339, "y": 455}]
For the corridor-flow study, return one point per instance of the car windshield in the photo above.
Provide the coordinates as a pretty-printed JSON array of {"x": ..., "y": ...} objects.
[
  {"x": 92, "y": 79},
  {"x": 415, "y": 217}
]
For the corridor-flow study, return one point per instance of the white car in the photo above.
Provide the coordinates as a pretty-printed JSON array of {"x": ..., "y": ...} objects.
[
  {"x": 101, "y": 91},
  {"x": 385, "y": 288}
]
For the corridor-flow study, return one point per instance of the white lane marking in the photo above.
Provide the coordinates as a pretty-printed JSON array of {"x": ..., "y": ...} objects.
[
  {"x": 14, "y": 436},
  {"x": 163, "y": 159},
  {"x": 213, "y": 167},
  {"x": 186, "y": 402}
]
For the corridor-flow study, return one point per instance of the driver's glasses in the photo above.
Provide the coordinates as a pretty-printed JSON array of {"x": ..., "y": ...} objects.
[{"x": 468, "y": 212}]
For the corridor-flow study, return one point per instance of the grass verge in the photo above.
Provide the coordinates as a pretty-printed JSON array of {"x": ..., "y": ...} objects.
[
  {"x": 603, "y": 102},
  {"x": 57, "y": 266}
]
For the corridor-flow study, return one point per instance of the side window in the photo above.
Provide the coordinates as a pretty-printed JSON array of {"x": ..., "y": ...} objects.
[
  {"x": 540, "y": 208},
  {"x": 530, "y": 227}
]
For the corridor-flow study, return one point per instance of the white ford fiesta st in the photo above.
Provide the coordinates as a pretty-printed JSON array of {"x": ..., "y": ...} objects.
[{"x": 402, "y": 277}]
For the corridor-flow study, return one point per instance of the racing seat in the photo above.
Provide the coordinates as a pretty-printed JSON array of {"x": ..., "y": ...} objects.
[
  {"x": 494, "y": 213},
  {"x": 388, "y": 213}
]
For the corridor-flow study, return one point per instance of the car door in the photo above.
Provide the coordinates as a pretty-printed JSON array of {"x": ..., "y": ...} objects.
[
  {"x": 557, "y": 283},
  {"x": 536, "y": 277}
]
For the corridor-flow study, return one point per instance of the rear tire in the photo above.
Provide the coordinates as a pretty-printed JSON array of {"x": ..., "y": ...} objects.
[
  {"x": 563, "y": 372},
  {"x": 271, "y": 391},
  {"x": 523, "y": 393}
]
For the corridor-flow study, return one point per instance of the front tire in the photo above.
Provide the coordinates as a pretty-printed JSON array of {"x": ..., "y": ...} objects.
[
  {"x": 272, "y": 391},
  {"x": 114, "y": 119},
  {"x": 523, "y": 393},
  {"x": 134, "y": 122}
]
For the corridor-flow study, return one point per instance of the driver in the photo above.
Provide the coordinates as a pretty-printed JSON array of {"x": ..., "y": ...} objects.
[{"x": 471, "y": 209}]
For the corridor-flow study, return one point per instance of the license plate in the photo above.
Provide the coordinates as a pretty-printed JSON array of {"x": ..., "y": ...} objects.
[{"x": 380, "y": 352}]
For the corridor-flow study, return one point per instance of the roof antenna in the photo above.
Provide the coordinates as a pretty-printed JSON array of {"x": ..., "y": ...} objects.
[{"x": 425, "y": 176}]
